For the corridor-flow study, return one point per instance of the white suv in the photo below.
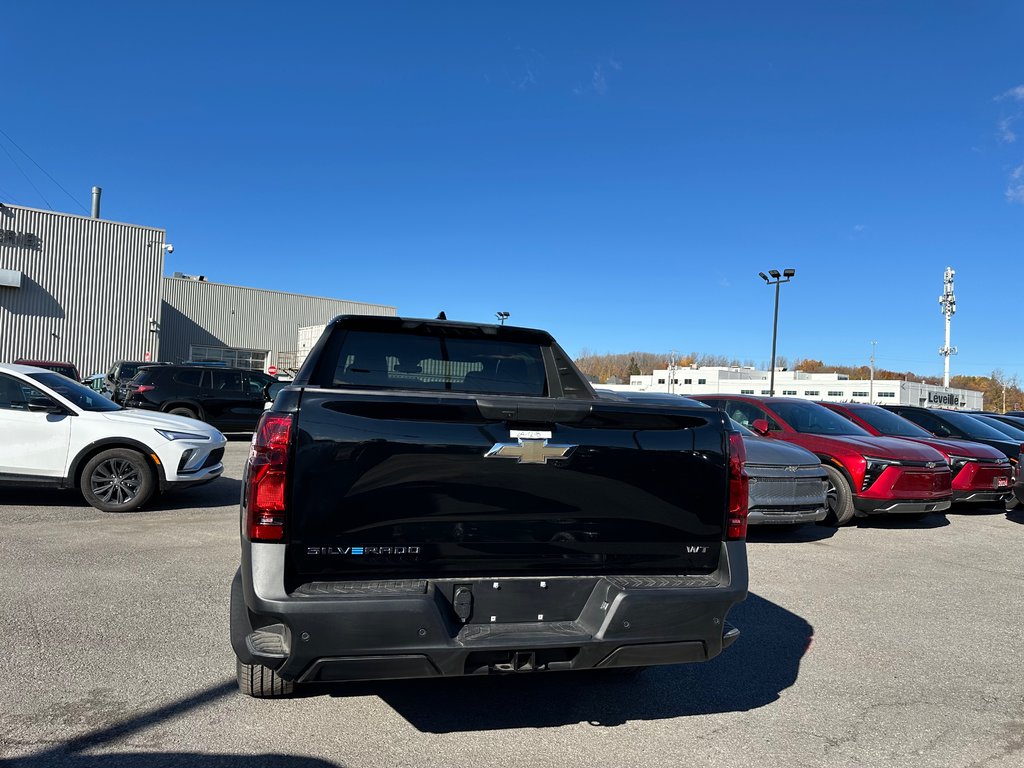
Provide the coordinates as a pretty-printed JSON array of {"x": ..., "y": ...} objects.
[{"x": 59, "y": 433}]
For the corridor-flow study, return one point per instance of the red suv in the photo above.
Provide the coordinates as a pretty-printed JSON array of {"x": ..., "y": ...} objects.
[
  {"x": 980, "y": 473},
  {"x": 867, "y": 475}
]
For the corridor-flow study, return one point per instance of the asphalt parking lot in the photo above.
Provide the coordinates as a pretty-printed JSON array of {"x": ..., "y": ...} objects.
[{"x": 888, "y": 643}]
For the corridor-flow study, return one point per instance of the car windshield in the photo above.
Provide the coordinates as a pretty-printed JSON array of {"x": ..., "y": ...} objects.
[
  {"x": 128, "y": 370},
  {"x": 79, "y": 395},
  {"x": 971, "y": 426},
  {"x": 888, "y": 423},
  {"x": 1017, "y": 433},
  {"x": 814, "y": 419}
]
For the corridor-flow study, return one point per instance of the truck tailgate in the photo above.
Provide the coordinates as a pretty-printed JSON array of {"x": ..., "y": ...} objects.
[{"x": 432, "y": 486}]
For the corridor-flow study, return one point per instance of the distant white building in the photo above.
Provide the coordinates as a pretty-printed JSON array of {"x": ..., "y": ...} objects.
[{"x": 834, "y": 387}]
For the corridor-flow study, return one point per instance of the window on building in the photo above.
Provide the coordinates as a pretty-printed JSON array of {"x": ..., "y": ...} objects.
[
  {"x": 252, "y": 359},
  {"x": 661, "y": 381},
  {"x": 675, "y": 381},
  {"x": 834, "y": 393},
  {"x": 687, "y": 381},
  {"x": 811, "y": 393},
  {"x": 789, "y": 392},
  {"x": 746, "y": 391},
  {"x": 887, "y": 394},
  {"x": 766, "y": 392},
  {"x": 702, "y": 381},
  {"x": 859, "y": 394}
]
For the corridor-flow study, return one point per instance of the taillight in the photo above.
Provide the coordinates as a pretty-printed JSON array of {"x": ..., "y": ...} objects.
[
  {"x": 739, "y": 486},
  {"x": 267, "y": 475},
  {"x": 140, "y": 388}
]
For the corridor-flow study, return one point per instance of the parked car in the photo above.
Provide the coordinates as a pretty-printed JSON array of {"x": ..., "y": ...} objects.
[
  {"x": 868, "y": 475},
  {"x": 120, "y": 373},
  {"x": 787, "y": 484},
  {"x": 1006, "y": 418},
  {"x": 95, "y": 382},
  {"x": 231, "y": 399},
  {"x": 61, "y": 434},
  {"x": 64, "y": 369},
  {"x": 980, "y": 473},
  {"x": 961, "y": 426},
  {"x": 1000, "y": 424}
]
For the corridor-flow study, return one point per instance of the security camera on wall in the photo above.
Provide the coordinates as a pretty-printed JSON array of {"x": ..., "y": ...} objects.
[{"x": 169, "y": 248}]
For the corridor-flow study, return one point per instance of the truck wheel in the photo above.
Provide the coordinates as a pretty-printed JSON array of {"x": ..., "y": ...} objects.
[
  {"x": 117, "y": 480},
  {"x": 183, "y": 411},
  {"x": 839, "y": 498},
  {"x": 262, "y": 682}
]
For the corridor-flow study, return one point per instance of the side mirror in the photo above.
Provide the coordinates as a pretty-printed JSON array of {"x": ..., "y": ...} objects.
[
  {"x": 760, "y": 426},
  {"x": 44, "y": 405},
  {"x": 270, "y": 391}
]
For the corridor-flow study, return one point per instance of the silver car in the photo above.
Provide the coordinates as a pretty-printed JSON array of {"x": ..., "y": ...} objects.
[{"x": 787, "y": 483}]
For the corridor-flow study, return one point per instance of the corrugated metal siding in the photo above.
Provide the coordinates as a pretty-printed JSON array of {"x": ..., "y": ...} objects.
[
  {"x": 87, "y": 293},
  {"x": 213, "y": 314}
]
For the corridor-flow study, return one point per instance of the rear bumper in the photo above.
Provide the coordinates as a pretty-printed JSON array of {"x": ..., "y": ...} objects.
[
  {"x": 786, "y": 516},
  {"x": 900, "y": 506},
  {"x": 383, "y": 630}
]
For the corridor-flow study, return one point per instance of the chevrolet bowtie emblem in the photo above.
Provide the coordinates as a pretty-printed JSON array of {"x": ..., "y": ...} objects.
[{"x": 529, "y": 451}]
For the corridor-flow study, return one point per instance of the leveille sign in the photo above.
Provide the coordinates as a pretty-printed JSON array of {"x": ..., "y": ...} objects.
[{"x": 944, "y": 398}]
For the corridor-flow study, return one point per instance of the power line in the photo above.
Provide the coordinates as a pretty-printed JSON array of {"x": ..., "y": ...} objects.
[
  {"x": 37, "y": 165},
  {"x": 26, "y": 176}
]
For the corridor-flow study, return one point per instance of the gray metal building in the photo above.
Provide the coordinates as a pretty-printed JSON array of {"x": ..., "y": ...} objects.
[
  {"x": 89, "y": 291},
  {"x": 248, "y": 327},
  {"x": 78, "y": 289}
]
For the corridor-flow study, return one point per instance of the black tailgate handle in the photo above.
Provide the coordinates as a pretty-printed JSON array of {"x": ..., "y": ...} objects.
[{"x": 529, "y": 409}]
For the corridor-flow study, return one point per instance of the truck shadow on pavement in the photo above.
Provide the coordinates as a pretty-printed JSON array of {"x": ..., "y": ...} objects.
[
  {"x": 763, "y": 662},
  {"x": 1016, "y": 515},
  {"x": 70, "y": 753}
]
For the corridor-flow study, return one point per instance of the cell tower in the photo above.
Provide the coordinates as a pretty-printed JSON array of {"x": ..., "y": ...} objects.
[{"x": 948, "y": 303}]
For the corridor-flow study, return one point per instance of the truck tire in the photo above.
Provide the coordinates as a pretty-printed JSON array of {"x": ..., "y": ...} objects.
[
  {"x": 839, "y": 498},
  {"x": 183, "y": 411},
  {"x": 117, "y": 480},
  {"x": 262, "y": 682}
]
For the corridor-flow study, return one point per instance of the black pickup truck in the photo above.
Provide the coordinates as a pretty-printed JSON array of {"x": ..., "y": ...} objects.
[{"x": 432, "y": 498}]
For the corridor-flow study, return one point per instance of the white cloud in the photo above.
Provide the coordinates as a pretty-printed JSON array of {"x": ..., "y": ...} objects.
[
  {"x": 616, "y": 65},
  {"x": 598, "y": 82},
  {"x": 1016, "y": 93},
  {"x": 1006, "y": 133},
  {"x": 1015, "y": 189}
]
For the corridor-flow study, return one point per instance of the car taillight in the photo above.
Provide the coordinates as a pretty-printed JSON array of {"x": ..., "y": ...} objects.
[
  {"x": 267, "y": 476},
  {"x": 140, "y": 388},
  {"x": 739, "y": 486}
]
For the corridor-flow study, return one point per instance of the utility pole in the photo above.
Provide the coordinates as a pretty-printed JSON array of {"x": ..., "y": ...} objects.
[
  {"x": 871, "y": 396},
  {"x": 948, "y": 303}
]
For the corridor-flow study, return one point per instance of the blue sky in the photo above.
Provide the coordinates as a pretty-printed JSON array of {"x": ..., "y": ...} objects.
[{"x": 617, "y": 173}]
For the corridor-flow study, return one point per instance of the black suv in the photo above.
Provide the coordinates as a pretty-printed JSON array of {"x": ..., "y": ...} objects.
[{"x": 231, "y": 399}]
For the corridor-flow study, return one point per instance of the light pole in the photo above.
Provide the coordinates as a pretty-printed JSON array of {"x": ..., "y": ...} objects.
[
  {"x": 502, "y": 316},
  {"x": 776, "y": 280}
]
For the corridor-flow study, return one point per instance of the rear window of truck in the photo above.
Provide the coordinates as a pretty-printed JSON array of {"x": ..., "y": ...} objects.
[{"x": 436, "y": 363}]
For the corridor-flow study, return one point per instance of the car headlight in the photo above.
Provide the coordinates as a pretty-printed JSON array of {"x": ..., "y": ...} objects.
[
  {"x": 874, "y": 468},
  {"x": 170, "y": 434}
]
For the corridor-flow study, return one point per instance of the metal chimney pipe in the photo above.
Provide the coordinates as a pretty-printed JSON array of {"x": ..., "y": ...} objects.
[{"x": 96, "y": 192}]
